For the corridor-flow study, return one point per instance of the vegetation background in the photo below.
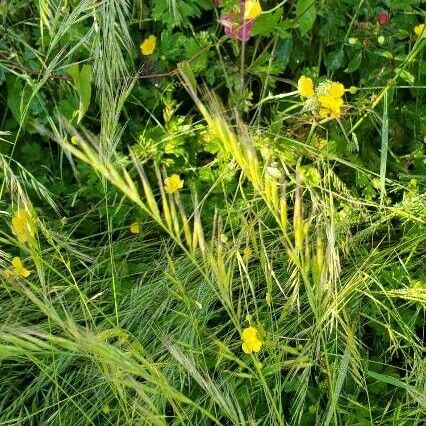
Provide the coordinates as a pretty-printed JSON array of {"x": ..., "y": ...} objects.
[{"x": 189, "y": 235}]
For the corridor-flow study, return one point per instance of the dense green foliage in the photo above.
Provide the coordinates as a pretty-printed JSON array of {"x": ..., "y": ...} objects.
[{"x": 166, "y": 186}]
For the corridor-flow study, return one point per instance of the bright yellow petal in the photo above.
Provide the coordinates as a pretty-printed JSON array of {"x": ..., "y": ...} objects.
[
  {"x": 246, "y": 349},
  {"x": 305, "y": 86},
  {"x": 324, "y": 112},
  {"x": 148, "y": 45},
  {"x": 135, "y": 228},
  {"x": 419, "y": 30},
  {"x": 252, "y": 9},
  {"x": 336, "y": 90},
  {"x": 19, "y": 267},
  {"x": 249, "y": 333},
  {"x": 17, "y": 263},
  {"x": 256, "y": 345}
]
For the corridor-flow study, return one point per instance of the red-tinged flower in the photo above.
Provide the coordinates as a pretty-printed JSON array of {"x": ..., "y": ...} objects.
[
  {"x": 236, "y": 28},
  {"x": 218, "y": 3},
  {"x": 383, "y": 17}
]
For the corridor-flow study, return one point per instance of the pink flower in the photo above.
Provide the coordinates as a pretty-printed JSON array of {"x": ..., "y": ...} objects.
[
  {"x": 383, "y": 17},
  {"x": 235, "y": 27}
]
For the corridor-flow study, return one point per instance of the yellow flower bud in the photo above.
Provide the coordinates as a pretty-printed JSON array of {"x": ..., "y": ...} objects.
[{"x": 148, "y": 45}]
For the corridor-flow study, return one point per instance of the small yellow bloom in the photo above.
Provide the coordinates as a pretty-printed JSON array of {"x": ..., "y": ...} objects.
[
  {"x": 305, "y": 86},
  {"x": 148, "y": 45},
  {"x": 419, "y": 30},
  {"x": 18, "y": 269},
  {"x": 135, "y": 228},
  {"x": 251, "y": 343},
  {"x": 252, "y": 9},
  {"x": 336, "y": 90},
  {"x": 331, "y": 101},
  {"x": 74, "y": 140},
  {"x": 22, "y": 226},
  {"x": 330, "y": 106},
  {"x": 173, "y": 183}
]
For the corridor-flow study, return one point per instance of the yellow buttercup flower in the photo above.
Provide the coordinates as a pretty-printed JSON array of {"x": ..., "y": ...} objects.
[
  {"x": 331, "y": 100},
  {"x": 251, "y": 343},
  {"x": 305, "y": 85},
  {"x": 148, "y": 45},
  {"x": 419, "y": 30},
  {"x": 18, "y": 269},
  {"x": 22, "y": 225},
  {"x": 330, "y": 106},
  {"x": 173, "y": 183},
  {"x": 135, "y": 228},
  {"x": 252, "y": 9}
]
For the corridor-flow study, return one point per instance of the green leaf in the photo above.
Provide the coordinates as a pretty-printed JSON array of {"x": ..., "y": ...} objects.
[
  {"x": 354, "y": 63},
  {"x": 306, "y": 13},
  {"x": 284, "y": 49},
  {"x": 82, "y": 80},
  {"x": 335, "y": 60},
  {"x": 267, "y": 24},
  {"x": 74, "y": 73},
  {"x": 85, "y": 89},
  {"x": 405, "y": 75}
]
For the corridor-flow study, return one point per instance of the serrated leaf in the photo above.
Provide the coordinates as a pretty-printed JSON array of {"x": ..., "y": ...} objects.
[
  {"x": 306, "y": 13},
  {"x": 267, "y": 24}
]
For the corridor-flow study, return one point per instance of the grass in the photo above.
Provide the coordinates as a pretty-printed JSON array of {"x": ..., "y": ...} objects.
[{"x": 119, "y": 329}]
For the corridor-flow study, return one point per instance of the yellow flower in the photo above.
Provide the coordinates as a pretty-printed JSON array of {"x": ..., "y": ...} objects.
[
  {"x": 330, "y": 106},
  {"x": 251, "y": 342},
  {"x": 331, "y": 100},
  {"x": 252, "y": 9},
  {"x": 148, "y": 45},
  {"x": 135, "y": 228},
  {"x": 22, "y": 226},
  {"x": 337, "y": 90},
  {"x": 173, "y": 184},
  {"x": 305, "y": 86},
  {"x": 419, "y": 30},
  {"x": 18, "y": 269}
]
